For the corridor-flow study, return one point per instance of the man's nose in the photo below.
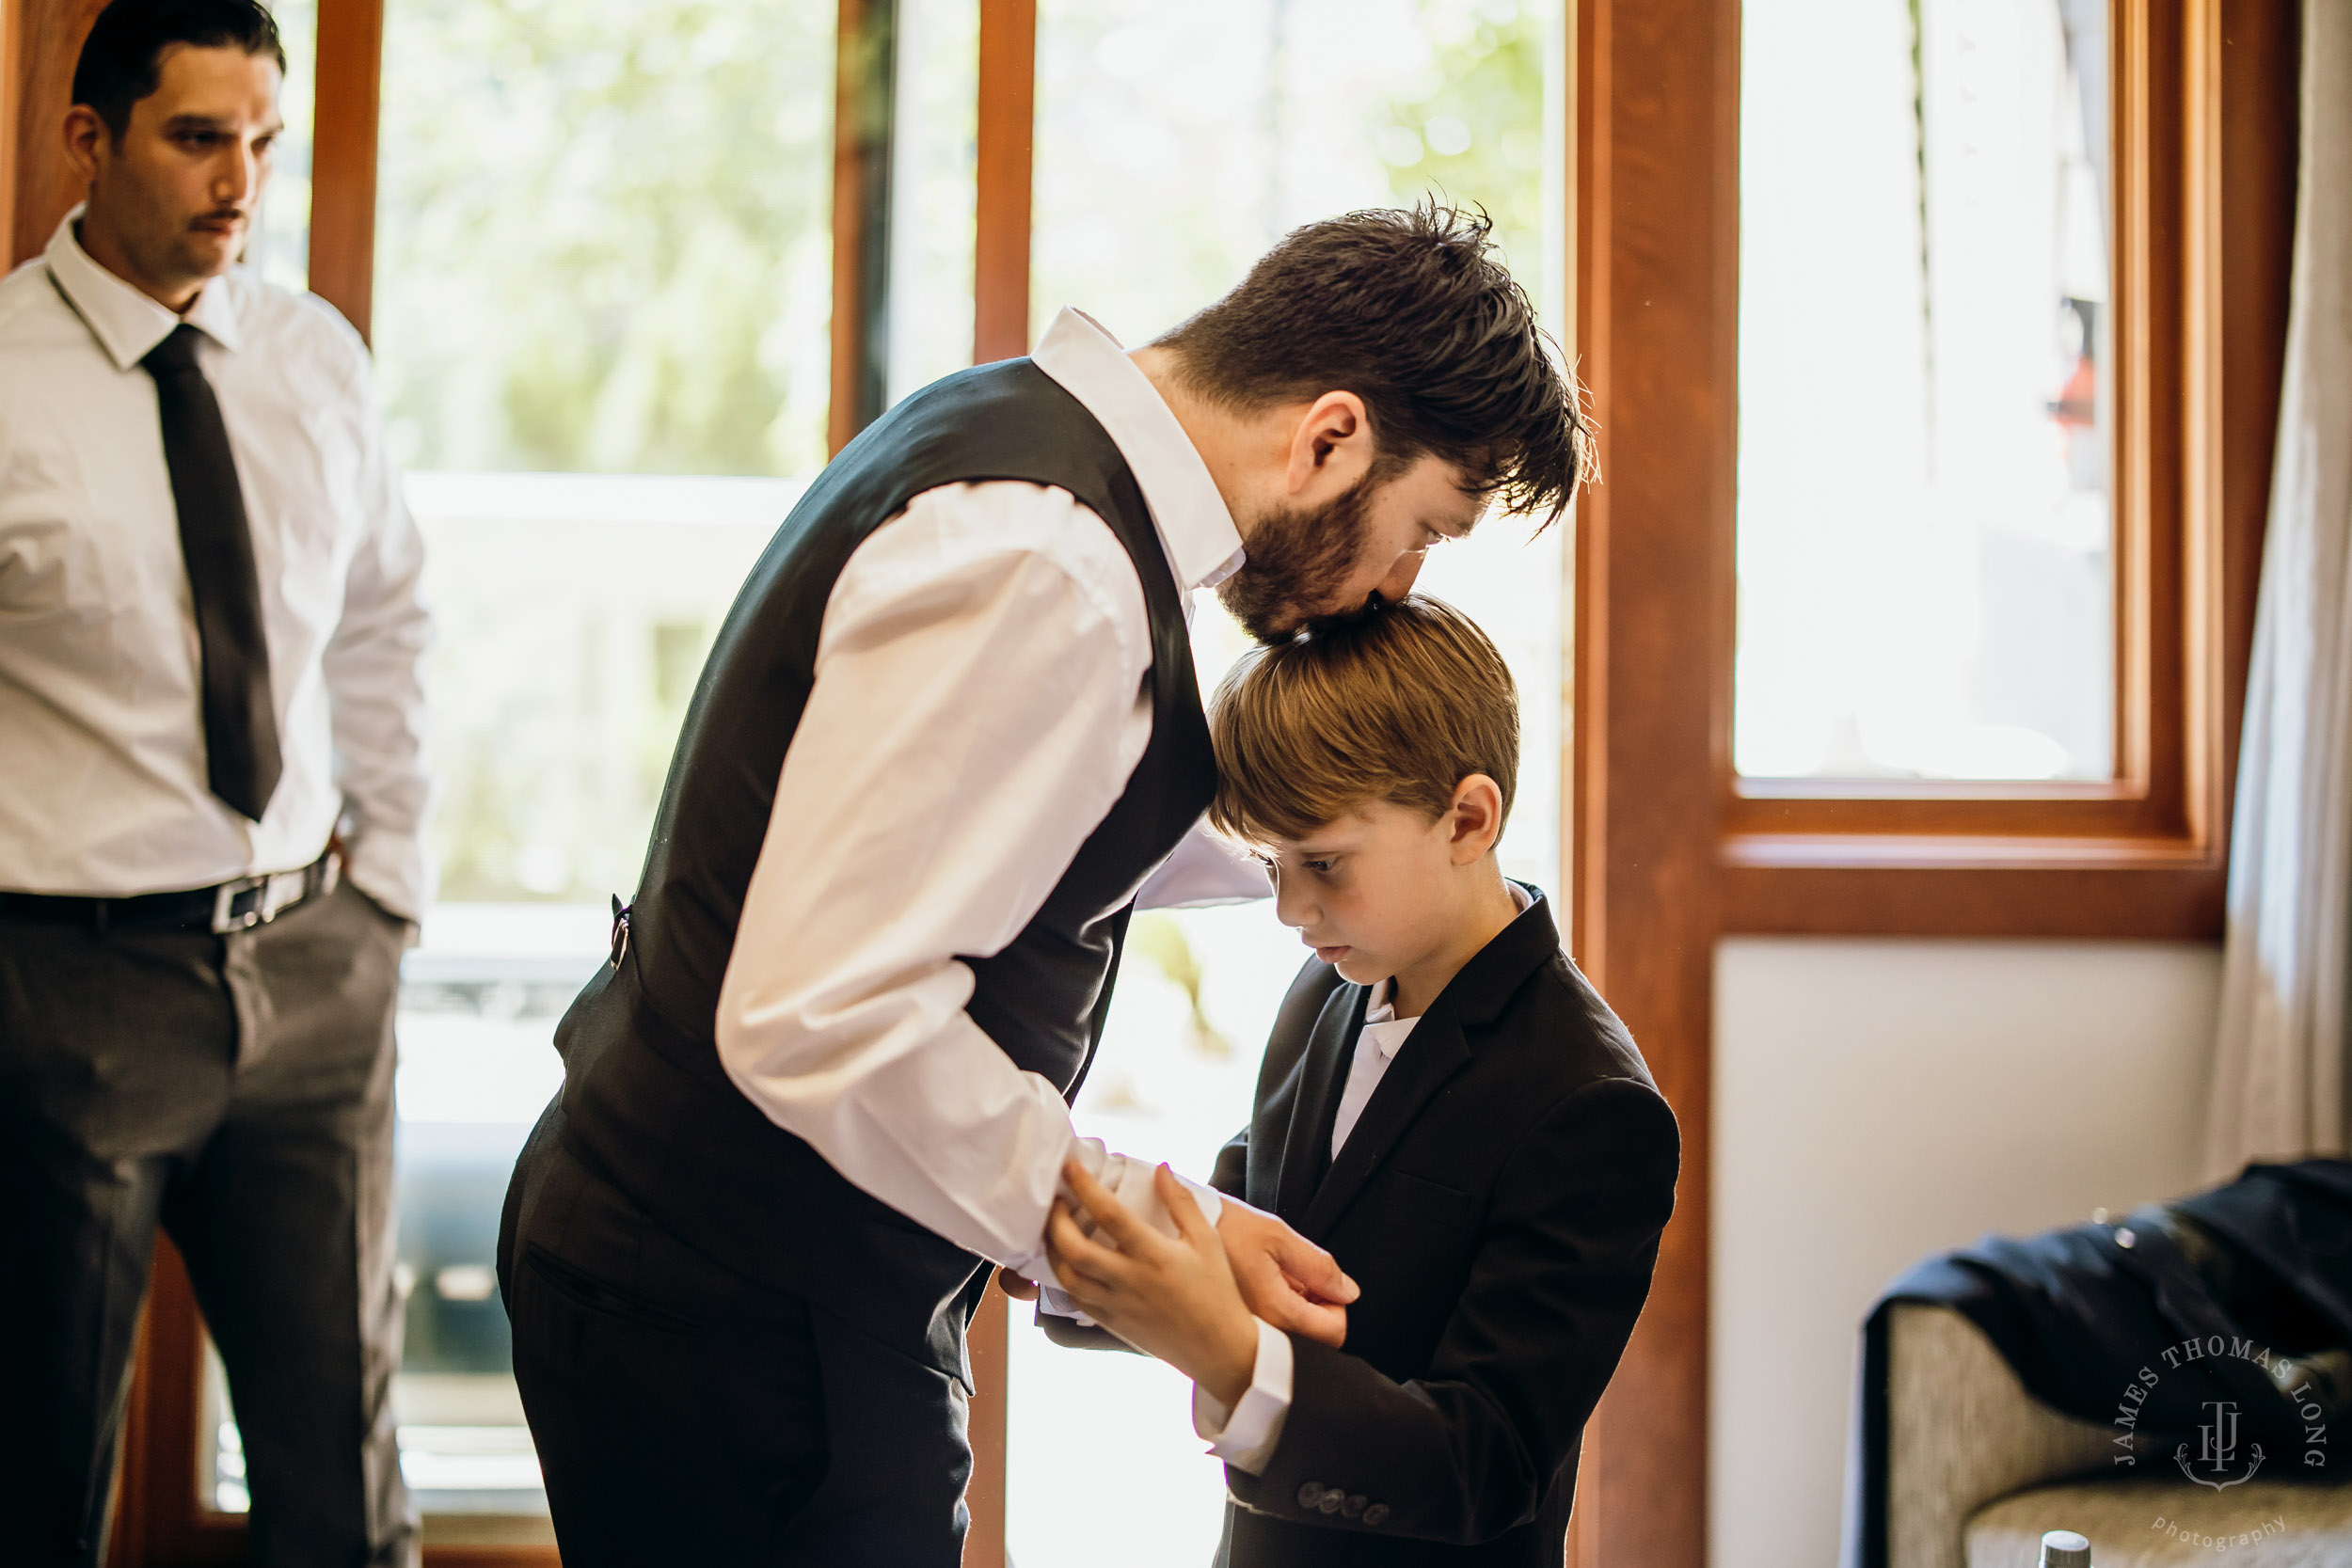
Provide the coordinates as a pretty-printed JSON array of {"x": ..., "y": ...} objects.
[
  {"x": 1402, "y": 576},
  {"x": 239, "y": 177}
]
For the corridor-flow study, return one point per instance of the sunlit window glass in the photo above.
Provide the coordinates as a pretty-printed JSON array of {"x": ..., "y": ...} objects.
[
  {"x": 602, "y": 316},
  {"x": 1926, "y": 413},
  {"x": 934, "y": 160},
  {"x": 1174, "y": 145},
  {"x": 280, "y": 245}
]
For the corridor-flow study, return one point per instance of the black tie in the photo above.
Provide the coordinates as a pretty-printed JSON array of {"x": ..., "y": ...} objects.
[{"x": 241, "y": 752}]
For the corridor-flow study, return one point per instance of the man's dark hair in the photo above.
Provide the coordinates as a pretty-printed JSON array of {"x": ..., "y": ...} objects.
[
  {"x": 1413, "y": 313},
  {"x": 122, "y": 59}
]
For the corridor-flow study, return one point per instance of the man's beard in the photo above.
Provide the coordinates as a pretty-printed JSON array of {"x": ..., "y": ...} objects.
[{"x": 1298, "y": 566}]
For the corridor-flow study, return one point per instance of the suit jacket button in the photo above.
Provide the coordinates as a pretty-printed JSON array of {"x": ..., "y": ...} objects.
[
  {"x": 1311, "y": 1494},
  {"x": 1330, "y": 1500},
  {"x": 1353, "y": 1505},
  {"x": 1376, "y": 1514}
]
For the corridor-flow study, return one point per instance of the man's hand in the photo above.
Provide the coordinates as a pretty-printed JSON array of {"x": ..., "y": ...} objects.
[
  {"x": 1285, "y": 1278},
  {"x": 1172, "y": 1298}
]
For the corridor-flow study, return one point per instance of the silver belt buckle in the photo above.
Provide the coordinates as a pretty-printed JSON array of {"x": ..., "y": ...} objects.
[
  {"x": 279, "y": 891},
  {"x": 226, "y": 917}
]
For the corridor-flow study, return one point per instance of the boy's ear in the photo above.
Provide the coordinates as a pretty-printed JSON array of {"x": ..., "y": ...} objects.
[{"x": 1476, "y": 818}]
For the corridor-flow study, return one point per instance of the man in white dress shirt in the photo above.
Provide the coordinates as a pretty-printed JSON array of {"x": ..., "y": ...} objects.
[
  {"x": 948, "y": 737},
  {"x": 211, "y": 655}
]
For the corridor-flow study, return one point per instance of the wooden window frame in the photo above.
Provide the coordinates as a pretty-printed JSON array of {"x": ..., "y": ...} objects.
[{"x": 2196, "y": 368}]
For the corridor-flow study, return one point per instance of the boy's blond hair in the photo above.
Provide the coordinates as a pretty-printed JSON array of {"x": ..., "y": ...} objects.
[{"x": 1399, "y": 706}]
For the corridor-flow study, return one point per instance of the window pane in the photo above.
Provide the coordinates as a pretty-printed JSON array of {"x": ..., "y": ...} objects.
[
  {"x": 1174, "y": 145},
  {"x": 280, "y": 245},
  {"x": 1926, "y": 416},
  {"x": 935, "y": 190},
  {"x": 604, "y": 241}
]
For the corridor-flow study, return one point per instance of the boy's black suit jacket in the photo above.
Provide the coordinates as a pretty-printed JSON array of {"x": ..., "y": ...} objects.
[{"x": 1500, "y": 1202}]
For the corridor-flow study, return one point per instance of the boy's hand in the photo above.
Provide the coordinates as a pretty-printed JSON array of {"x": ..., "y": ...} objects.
[
  {"x": 1173, "y": 1298},
  {"x": 1285, "y": 1278},
  {"x": 1020, "y": 1287}
]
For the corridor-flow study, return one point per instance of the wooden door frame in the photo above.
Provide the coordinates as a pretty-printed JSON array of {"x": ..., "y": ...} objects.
[{"x": 1655, "y": 247}]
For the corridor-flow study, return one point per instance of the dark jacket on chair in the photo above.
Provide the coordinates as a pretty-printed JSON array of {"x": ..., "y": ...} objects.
[{"x": 1500, "y": 1201}]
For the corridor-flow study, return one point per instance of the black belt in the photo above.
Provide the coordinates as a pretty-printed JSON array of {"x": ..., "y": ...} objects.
[{"x": 237, "y": 906}]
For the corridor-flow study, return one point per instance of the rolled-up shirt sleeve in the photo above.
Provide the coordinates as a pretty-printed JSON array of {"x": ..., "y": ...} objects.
[
  {"x": 1245, "y": 1437},
  {"x": 978, "y": 706},
  {"x": 1205, "y": 869}
]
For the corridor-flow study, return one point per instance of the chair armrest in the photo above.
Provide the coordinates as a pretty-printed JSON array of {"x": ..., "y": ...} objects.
[{"x": 1961, "y": 1432}]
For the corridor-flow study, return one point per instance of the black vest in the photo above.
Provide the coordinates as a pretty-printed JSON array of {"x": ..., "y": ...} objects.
[{"x": 645, "y": 1101}]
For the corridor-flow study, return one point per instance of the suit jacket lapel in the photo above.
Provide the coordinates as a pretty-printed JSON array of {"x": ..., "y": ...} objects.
[
  {"x": 1433, "y": 1052},
  {"x": 1321, "y": 1071}
]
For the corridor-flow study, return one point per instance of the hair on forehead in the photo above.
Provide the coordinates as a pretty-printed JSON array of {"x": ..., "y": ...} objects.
[
  {"x": 1400, "y": 705},
  {"x": 122, "y": 59}
]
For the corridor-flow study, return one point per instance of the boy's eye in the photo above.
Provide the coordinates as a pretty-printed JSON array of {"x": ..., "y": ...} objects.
[{"x": 1319, "y": 867}]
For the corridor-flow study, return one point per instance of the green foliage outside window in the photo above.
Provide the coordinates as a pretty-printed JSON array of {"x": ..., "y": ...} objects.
[
  {"x": 605, "y": 247},
  {"x": 605, "y": 235},
  {"x": 1477, "y": 134}
]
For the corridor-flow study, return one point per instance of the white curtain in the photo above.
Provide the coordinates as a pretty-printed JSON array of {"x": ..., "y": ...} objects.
[{"x": 2280, "y": 1069}]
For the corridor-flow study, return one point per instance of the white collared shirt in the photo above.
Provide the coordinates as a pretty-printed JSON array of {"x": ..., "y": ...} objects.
[
  {"x": 99, "y": 709},
  {"x": 1376, "y": 1046},
  {"x": 979, "y": 704}
]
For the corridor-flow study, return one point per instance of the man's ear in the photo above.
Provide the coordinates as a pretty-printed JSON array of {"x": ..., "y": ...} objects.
[
  {"x": 85, "y": 135},
  {"x": 1477, "y": 818},
  {"x": 1332, "y": 442}
]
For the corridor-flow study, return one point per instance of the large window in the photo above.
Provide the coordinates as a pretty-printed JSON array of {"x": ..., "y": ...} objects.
[
  {"x": 618, "y": 262},
  {"x": 602, "y": 329},
  {"x": 1926, "y": 405},
  {"x": 1988, "y": 601},
  {"x": 604, "y": 289}
]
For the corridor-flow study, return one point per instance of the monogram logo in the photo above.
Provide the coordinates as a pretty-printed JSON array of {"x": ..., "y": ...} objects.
[{"x": 2217, "y": 1450}]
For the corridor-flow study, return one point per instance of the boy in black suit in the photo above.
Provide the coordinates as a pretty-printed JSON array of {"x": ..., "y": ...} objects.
[{"x": 1445, "y": 1104}]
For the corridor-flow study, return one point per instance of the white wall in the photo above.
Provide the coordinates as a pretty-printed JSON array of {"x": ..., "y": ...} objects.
[{"x": 1878, "y": 1099}]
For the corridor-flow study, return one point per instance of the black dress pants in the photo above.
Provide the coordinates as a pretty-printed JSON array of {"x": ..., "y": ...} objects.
[
  {"x": 237, "y": 1090},
  {"x": 686, "y": 1416}
]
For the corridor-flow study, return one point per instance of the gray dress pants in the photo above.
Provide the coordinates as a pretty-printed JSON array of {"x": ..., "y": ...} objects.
[{"x": 236, "y": 1090}]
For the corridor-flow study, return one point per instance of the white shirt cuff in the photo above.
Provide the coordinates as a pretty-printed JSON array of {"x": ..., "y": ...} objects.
[
  {"x": 1202, "y": 870},
  {"x": 1245, "y": 1435},
  {"x": 1130, "y": 1181}
]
